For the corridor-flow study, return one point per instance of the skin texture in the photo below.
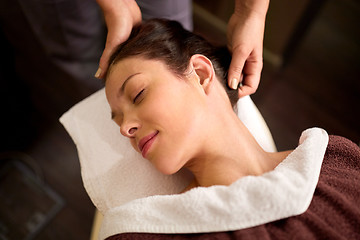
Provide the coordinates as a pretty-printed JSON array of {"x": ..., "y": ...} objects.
[
  {"x": 245, "y": 38},
  {"x": 195, "y": 124}
]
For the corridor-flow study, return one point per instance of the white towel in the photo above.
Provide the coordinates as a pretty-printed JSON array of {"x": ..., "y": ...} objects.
[
  {"x": 113, "y": 172},
  {"x": 253, "y": 200}
]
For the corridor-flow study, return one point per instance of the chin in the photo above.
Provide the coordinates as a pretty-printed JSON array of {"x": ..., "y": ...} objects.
[
  {"x": 165, "y": 167},
  {"x": 166, "y": 171},
  {"x": 167, "y": 162}
]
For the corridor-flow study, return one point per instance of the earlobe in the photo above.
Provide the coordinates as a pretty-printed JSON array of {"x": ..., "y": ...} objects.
[{"x": 204, "y": 70}]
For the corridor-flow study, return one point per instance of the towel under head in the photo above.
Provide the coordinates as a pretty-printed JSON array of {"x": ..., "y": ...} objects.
[{"x": 113, "y": 172}]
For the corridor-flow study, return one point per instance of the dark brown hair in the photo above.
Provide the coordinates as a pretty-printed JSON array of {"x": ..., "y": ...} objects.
[{"x": 169, "y": 42}]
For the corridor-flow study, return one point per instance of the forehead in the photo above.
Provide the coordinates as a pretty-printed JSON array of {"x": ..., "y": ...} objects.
[
  {"x": 123, "y": 69},
  {"x": 128, "y": 66}
]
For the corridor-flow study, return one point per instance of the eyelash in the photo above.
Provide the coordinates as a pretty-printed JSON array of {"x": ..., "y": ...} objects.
[{"x": 138, "y": 95}]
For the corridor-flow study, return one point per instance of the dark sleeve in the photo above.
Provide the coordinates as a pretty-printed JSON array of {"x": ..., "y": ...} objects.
[{"x": 334, "y": 212}]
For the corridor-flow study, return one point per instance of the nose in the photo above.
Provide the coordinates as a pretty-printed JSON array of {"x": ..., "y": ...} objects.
[{"x": 129, "y": 128}]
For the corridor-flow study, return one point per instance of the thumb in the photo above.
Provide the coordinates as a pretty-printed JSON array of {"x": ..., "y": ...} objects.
[
  {"x": 104, "y": 61},
  {"x": 235, "y": 69}
]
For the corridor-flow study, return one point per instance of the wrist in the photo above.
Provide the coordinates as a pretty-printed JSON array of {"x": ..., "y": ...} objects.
[
  {"x": 117, "y": 7},
  {"x": 250, "y": 8}
]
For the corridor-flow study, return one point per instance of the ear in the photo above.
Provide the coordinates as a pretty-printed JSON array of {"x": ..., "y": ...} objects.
[{"x": 203, "y": 70}]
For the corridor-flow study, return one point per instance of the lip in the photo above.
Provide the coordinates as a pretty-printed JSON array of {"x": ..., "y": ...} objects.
[{"x": 146, "y": 142}]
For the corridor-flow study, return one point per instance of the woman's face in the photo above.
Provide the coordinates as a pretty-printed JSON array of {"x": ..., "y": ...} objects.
[{"x": 162, "y": 114}]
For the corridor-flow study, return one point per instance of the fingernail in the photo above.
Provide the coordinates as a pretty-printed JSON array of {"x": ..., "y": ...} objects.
[
  {"x": 234, "y": 83},
  {"x": 98, "y": 72}
]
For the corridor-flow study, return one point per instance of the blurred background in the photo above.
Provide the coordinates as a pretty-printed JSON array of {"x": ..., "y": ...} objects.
[{"x": 311, "y": 78}]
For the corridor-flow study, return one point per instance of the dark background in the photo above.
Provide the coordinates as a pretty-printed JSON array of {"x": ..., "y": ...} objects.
[{"x": 310, "y": 78}]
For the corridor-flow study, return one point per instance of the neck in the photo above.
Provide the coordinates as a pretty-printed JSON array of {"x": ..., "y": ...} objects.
[{"x": 232, "y": 153}]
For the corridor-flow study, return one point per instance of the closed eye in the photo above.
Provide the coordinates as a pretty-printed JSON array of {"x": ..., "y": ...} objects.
[{"x": 137, "y": 97}]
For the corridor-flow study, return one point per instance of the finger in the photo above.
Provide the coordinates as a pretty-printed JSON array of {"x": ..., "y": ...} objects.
[
  {"x": 236, "y": 68},
  {"x": 110, "y": 47},
  {"x": 249, "y": 85},
  {"x": 100, "y": 73}
]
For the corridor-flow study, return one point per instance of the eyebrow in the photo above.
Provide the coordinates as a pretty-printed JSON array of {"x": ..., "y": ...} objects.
[
  {"x": 122, "y": 89},
  {"x": 125, "y": 82}
]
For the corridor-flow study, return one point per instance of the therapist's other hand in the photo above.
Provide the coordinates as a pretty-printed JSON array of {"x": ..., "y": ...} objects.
[
  {"x": 120, "y": 17},
  {"x": 245, "y": 35}
]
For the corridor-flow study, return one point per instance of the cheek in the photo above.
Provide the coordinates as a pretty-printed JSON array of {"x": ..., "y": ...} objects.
[
  {"x": 177, "y": 113},
  {"x": 181, "y": 115},
  {"x": 179, "y": 140}
]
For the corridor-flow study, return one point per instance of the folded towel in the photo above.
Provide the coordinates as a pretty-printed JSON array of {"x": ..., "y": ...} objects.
[
  {"x": 334, "y": 212},
  {"x": 113, "y": 172},
  {"x": 251, "y": 201}
]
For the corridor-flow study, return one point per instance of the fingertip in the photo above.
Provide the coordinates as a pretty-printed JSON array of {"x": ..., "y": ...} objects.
[
  {"x": 245, "y": 91},
  {"x": 98, "y": 73},
  {"x": 241, "y": 93},
  {"x": 233, "y": 83}
]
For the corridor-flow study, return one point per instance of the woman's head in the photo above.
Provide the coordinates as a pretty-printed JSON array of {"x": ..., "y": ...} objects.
[
  {"x": 165, "y": 93},
  {"x": 169, "y": 42}
]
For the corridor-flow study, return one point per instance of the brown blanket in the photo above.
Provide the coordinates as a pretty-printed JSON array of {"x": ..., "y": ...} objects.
[{"x": 334, "y": 212}]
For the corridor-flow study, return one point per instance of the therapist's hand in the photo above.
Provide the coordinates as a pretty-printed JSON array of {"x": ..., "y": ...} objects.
[
  {"x": 245, "y": 35},
  {"x": 120, "y": 17}
]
